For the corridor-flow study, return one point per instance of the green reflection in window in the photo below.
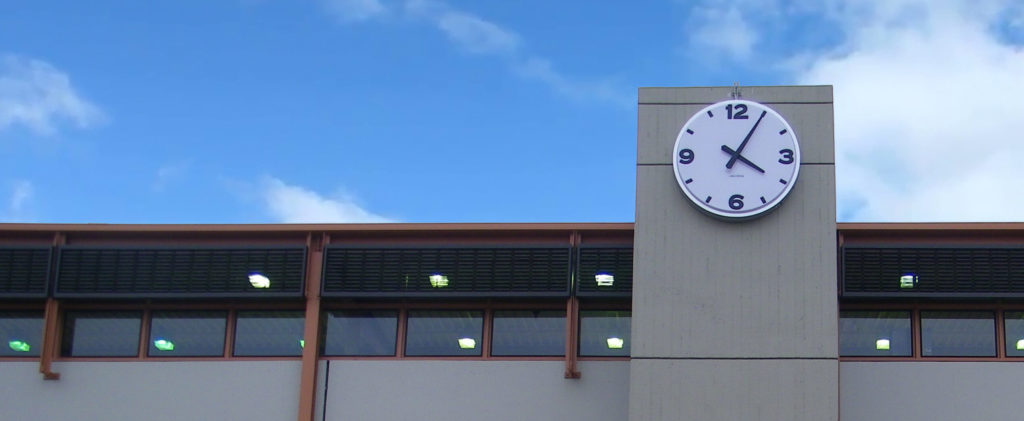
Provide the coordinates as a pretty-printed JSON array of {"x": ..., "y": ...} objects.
[
  {"x": 19, "y": 346},
  {"x": 163, "y": 345},
  {"x": 22, "y": 330}
]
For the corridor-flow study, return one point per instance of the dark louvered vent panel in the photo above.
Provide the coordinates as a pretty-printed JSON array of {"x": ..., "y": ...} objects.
[
  {"x": 471, "y": 272},
  {"x": 179, "y": 272},
  {"x": 939, "y": 271},
  {"x": 596, "y": 264},
  {"x": 23, "y": 272}
]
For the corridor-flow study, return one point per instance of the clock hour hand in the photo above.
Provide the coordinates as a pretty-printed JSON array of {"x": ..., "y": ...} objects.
[
  {"x": 736, "y": 156},
  {"x": 739, "y": 150}
]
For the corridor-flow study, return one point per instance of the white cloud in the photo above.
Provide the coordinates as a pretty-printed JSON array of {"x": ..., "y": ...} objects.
[
  {"x": 355, "y": 10},
  {"x": 36, "y": 95},
  {"x": 929, "y": 120},
  {"x": 170, "y": 172},
  {"x": 295, "y": 204},
  {"x": 21, "y": 192},
  {"x": 540, "y": 69},
  {"x": 929, "y": 96},
  {"x": 474, "y": 34},
  {"x": 477, "y": 35},
  {"x": 724, "y": 29},
  {"x": 20, "y": 197}
]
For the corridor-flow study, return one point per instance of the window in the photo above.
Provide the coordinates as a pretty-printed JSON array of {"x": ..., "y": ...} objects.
[
  {"x": 444, "y": 333},
  {"x": 604, "y": 333},
  {"x": 101, "y": 334},
  {"x": 958, "y": 334},
  {"x": 361, "y": 333},
  {"x": 187, "y": 334},
  {"x": 269, "y": 333},
  {"x": 532, "y": 333},
  {"x": 875, "y": 333},
  {"x": 21, "y": 332},
  {"x": 1014, "y": 325}
]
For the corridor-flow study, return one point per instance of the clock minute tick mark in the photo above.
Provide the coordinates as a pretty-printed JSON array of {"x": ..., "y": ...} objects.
[
  {"x": 689, "y": 131},
  {"x": 710, "y": 115},
  {"x": 708, "y": 200},
  {"x": 783, "y": 131},
  {"x": 763, "y": 201},
  {"x": 688, "y": 180},
  {"x": 783, "y": 181}
]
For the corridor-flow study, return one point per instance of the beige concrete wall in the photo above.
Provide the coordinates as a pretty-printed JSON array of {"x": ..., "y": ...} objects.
[
  {"x": 929, "y": 390},
  {"x": 734, "y": 320},
  {"x": 434, "y": 390},
  {"x": 151, "y": 391}
]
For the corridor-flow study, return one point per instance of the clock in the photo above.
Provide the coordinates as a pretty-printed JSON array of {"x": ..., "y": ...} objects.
[{"x": 736, "y": 159}]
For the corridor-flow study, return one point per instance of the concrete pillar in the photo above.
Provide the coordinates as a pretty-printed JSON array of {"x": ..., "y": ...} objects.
[{"x": 734, "y": 320}]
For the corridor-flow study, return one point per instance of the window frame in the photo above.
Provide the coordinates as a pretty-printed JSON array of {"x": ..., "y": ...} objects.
[
  {"x": 998, "y": 308},
  {"x": 912, "y": 332},
  {"x": 488, "y": 307},
  {"x": 994, "y": 330},
  {"x": 147, "y": 310},
  {"x": 25, "y": 308},
  {"x": 220, "y": 315},
  {"x": 233, "y": 317},
  {"x": 403, "y": 307}
]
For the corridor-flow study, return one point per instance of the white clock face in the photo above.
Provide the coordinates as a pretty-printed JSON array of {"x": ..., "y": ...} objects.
[{"x": 736, "y": 159}]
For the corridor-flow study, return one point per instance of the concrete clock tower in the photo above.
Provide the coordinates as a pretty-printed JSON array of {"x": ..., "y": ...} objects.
[{"x": 735, "y": 318}]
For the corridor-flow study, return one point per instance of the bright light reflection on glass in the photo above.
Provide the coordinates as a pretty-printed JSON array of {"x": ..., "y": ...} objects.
[
  {"x": 257, "y": 280},
  {"x": 438, "y": 280},
  {"x": 604, "y": 279},
  {"x": 1020, "y": 344},
  {"x": 302, "y": 343},
  {"x": 19, "y": 346},
  {"x": 467, "y": 343},
  {"x": 163, "y": 345},
  {"x": 615, "y": 343},
  {"x": 908, "y": 280},
  {"x": 882, "y": 344}
]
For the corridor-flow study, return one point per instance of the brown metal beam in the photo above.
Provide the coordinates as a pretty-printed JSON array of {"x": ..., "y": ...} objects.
[
  {"x": 50, "y": 325},
  {"x": 311, "y": 335},
  {"x": 49, "y": 340},
  {"x": 572, "y": 307},
  {"x": 304, "y": 228}
]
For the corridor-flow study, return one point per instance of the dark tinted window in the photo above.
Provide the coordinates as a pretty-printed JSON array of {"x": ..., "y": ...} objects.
[
  {"x": 1014, "y": 333},
  {"x": 444, "y": 333},
  {"x": 875, "y": 333},
  {"x": 528, "y": 333},
  {"x": 370, "y": 333},
  {"x": 604, "y": 333},
  {"x": 101, "y": 334},
  {"x": 187, "y": 334},
  {"x": 958, "y": 334},
  {"x": 269, "y": 333},
  {"x": 21, "y": 333}
]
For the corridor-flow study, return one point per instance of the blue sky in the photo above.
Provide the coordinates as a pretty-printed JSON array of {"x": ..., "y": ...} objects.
[{"x": 251, "y": 111}]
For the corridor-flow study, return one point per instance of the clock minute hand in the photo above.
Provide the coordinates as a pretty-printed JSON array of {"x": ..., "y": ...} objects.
[{"x": 735, "y": 156}]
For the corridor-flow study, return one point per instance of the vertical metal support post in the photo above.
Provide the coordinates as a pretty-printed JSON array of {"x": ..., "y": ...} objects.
[
  {"x": 50, "y": 319},
  {"x": 571, "y": 341},
  {"x": 311, "y": 334},
  {"x": 49, "y": 340},
  {"x": 572, "y": 307}
]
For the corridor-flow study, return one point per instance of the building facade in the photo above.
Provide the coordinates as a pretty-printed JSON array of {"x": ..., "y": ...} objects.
[{"x": 676, "y": 316}]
